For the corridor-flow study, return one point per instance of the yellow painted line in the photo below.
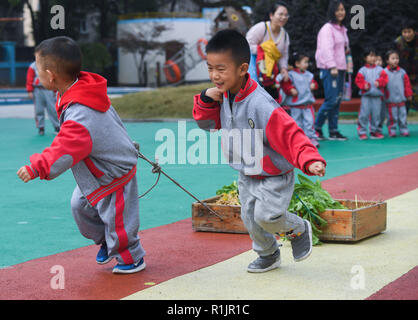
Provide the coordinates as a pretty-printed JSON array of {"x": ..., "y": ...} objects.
[{"x": 346, "y": 271}]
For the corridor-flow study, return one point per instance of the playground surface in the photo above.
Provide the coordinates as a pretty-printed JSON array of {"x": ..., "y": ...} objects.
[{"x": 39, "y": 237}]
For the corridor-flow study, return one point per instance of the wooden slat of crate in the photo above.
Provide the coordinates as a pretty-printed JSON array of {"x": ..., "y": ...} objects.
[
  {"x": 370, "y": 221},
  {"x": 204, "y": 220},
  {"x": 360, "y": 221},
  {"x": 339, "y": 227}
]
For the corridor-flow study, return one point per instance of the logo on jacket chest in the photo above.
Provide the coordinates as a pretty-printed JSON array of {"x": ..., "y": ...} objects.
[{"x": 251, "y": 123}]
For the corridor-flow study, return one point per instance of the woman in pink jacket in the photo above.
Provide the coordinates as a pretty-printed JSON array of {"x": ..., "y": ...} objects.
[{"x": 332, "y": 47}]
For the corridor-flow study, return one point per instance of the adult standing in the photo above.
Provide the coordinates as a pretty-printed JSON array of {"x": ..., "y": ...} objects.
[
  {"x": 407, "y": 46},
  {"x": 332, "y": 47},
  {"x": 267, "y": 31}
]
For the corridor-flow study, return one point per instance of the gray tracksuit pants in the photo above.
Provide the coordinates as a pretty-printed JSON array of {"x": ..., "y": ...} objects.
[
  {"x": 114, "y": 219},
  {"x": 264, "y": 212},
  {"x": 305, "y": 119},
  {"x": 45, "y": 99},
  {"x": 383, "y": 116},
  {"x": 370, "y": 112},
  {"x": 397, "y": 116}
]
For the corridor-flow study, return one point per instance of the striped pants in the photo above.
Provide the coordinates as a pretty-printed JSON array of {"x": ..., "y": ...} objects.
[
  {"x": 370, "y": 113},
  {"x": 114, "y": 220},
  {"x": 397, "y": 116}
]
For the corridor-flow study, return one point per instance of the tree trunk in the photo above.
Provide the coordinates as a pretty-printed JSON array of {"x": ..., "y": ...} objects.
[
  {"x": 34, "y": 23},
  {"x": 173, "y": 5}
]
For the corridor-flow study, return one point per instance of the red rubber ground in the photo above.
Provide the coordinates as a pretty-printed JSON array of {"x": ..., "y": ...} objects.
[{"x": 174, "y": 249}]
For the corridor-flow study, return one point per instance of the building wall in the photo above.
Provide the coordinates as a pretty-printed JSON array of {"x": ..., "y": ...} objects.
[{"x": 187, "y": 30}]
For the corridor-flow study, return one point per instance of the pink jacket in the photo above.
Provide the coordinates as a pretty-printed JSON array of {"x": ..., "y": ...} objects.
[{"x": 331, "y": 44}]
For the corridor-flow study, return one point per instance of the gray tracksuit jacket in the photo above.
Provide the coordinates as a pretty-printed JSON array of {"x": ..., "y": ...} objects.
[
  {"x": 301, "y": 81},
  {"x": 92, "y": 141},
  {"x": 258, "y": 137},
  {"x": 398, "y": 87}
]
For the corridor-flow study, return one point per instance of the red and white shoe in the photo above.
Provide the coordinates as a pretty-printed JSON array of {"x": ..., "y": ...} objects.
[
  {"x": 376, "y": 135},
  {"x": 363, "y": 137}
]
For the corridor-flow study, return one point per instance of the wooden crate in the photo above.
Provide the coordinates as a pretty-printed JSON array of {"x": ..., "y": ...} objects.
[
  {"x": 204, "y": 220},
  {"x": 351, "y": 224},
  {"x": 354, "y": 223}
]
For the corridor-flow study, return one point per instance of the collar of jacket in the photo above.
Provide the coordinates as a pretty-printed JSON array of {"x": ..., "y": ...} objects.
[
  {"x": 249, "y": 87},
  {"x": 337, "y": 26},
  {"x": 298, "y": 70},
  {"x": 393, "y": 69}
]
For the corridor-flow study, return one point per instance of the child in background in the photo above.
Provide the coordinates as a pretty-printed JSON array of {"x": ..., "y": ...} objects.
[
  {"x": 299, "y": 97},
  {"x": 93, "y": 142},
  {"x": 379, "y": 61},
  {"x": 398, "y": 91},
  {"x": 237, "y": 104},
  {"x": 281, "y": 95},
  {"x": 42, "y": 99},
  {"x": 371, "y": 80},
  {"x": 383, "y": 112}
]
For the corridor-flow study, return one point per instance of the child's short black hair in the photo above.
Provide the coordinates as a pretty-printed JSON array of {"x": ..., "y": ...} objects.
[
  {"x": 233, "y": 41},
  {"x": 296, "y": 57},
  {"x": 367, "y": 51},
  {"x": 61, "y": 54},
  {"x": 389, "y": 53}
]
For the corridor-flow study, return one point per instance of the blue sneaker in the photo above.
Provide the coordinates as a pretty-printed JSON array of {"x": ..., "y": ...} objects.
[
  {"x": 102, "y": 256},
  {"x": 130, "y": 268}
]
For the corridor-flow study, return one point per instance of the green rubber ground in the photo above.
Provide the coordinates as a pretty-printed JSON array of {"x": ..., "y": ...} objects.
[{"x": 36, "y": 219}]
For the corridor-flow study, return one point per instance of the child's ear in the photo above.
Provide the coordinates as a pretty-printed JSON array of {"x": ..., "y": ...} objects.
[
  {"x": 51, "y": 75},
  {"x": 244, "y": 69}
]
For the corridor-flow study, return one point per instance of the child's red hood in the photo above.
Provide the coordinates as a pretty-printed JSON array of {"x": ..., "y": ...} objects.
[{"x": 90, "y": 90}]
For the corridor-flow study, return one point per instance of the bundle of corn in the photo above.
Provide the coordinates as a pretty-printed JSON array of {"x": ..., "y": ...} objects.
[
  {"x": 229, "y": 195},
  {"x": 231, "y": 199}
]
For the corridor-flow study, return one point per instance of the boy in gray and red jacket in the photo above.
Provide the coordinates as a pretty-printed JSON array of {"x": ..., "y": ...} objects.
[
  {"x": 43, "y": 99},
  {"x": 299, "y": 96},
  {"x": 397, "y": 93},
  {"x": 262, "y": 142},
  {"x": 371, "y": 80},
  {"x": 94, "y": 144}
]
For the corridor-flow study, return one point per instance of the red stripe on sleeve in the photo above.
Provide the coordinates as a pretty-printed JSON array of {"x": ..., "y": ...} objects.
[{"x": 33, "y": 174}]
